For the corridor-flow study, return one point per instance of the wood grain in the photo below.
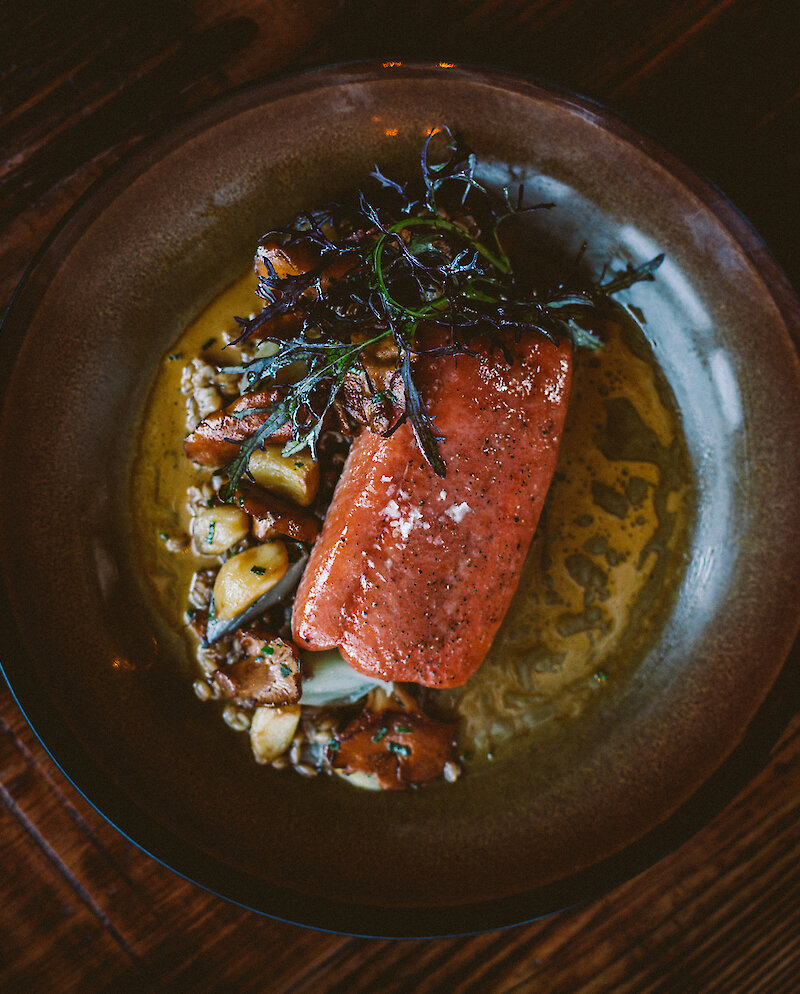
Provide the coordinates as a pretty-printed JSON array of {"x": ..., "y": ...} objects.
[{"x": 83, "y": 83}]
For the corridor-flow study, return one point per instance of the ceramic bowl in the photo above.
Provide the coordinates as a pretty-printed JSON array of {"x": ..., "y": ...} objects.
[{"x": 94, "y": 667}]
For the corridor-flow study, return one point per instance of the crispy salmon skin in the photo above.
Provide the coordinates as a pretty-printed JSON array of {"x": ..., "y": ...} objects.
[{"x": 412, "y": 573}]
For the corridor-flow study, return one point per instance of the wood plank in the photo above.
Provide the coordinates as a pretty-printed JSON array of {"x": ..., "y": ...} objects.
[
  {"x": 740, "y": 128},
  {"x": 71, "y": 110},
  {"x": 79, "y": 843},
  {"x": 52, "y": 936}
]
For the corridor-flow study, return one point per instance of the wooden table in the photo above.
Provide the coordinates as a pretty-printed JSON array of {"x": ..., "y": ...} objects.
[{"x": 85, "y": 81}]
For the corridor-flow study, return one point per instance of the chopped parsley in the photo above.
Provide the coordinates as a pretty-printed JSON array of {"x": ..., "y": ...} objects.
[
  {"x": 380, "y": 734},
  {"x": 258, "y": 570},
  {"x": 401, "y": 750}
]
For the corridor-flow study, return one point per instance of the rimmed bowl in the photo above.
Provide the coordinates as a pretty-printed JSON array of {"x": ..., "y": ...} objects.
[{"x": 93, "y": 666}]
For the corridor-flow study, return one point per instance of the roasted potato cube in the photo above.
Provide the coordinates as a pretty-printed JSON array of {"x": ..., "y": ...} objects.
[
  {"x": 294, "y": 477},
  {"x": 276, "y": 260},
  {"x": 246, "y": 577},
  {"x": 272, "y": 731},
  {"x": 216, "y": 529},
  {"x": 281, "y": 261}
]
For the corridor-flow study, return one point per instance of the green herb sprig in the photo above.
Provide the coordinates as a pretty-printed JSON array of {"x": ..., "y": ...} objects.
[{"x": 429, "y": 252}]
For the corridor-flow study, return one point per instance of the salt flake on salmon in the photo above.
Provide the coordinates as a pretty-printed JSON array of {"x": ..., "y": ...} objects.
[{"x": 412, "y": 574}]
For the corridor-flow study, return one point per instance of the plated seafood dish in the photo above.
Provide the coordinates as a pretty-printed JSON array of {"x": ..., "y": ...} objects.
[{"x": 401, "y": 506}]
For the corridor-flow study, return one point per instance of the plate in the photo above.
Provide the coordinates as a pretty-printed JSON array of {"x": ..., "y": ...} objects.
[{"x": 95, "y": 669}]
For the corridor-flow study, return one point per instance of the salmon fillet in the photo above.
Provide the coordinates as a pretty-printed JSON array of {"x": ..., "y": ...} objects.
[{"x": 413, "y": 573}]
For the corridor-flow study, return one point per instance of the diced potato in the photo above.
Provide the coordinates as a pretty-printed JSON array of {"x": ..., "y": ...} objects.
[
  {"x": 248, "y": 576},
  {"x": 366, "y": 781},
  {"x": 216, "y": 529},
  {"x": 295, "y": 477},
  {"x": 272, "y": 731}
]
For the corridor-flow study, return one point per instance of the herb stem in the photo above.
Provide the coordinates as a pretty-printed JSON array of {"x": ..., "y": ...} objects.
[
  {"x": 500, "y": 262},
  {"x": 413, "y": 266}
]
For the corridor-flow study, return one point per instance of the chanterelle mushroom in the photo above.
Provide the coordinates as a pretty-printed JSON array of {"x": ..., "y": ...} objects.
[
  {"x": 269, "y": 673},
  {"x": 274, "y": 516},
  {"x": 400, "y": 748}
]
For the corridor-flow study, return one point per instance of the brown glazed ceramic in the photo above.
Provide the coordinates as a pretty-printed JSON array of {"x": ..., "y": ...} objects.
[{"x": 94, "y": 668}]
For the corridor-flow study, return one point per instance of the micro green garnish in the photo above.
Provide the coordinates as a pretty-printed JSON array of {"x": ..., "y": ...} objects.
[
  {"x": 380, "y": 735},
  {"x": 401, "y": 750},
  {"x": 415, "y": 255},
  {"x": 258, "y": 570}
]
